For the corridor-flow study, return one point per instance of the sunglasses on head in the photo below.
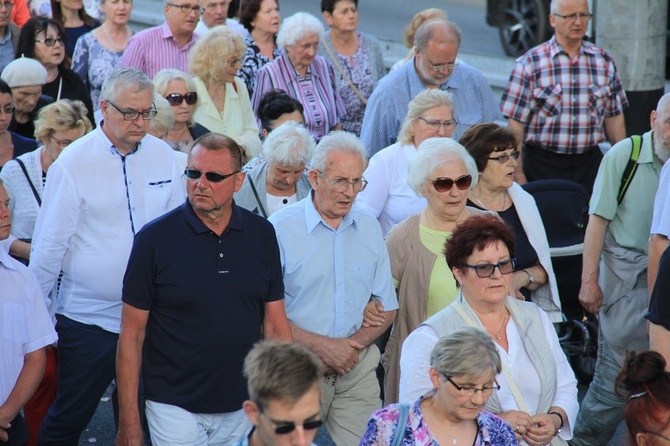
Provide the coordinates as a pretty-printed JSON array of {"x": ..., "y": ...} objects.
[
  {"x": 176, "y": 99},
  {"x": 444, "y": 184},
  {"x": 211, "y": 176},
  {"x": 286, "y": 427}
]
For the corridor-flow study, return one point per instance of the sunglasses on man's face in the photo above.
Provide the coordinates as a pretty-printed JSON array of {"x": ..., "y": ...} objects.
[
  {"x": 286, "y": 427},
  {"x": 444, "y": 184},
  {"x": 212, "y": 177},
  {"x": 176, "y": 99}
]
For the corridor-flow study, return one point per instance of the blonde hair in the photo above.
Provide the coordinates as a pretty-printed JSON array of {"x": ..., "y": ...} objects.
[
  {"x": 421, "y": 103},
  {"x": 213, "y": 49},
  {"x": 61, "y": 116},
  {"x": 164, "y": 119},
  {"x": 419, "y": 19}
]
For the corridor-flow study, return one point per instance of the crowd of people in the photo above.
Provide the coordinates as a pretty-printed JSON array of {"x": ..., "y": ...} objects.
[{"x": 235, "y": 219}]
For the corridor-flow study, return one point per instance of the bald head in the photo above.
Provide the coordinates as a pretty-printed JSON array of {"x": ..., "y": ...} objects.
[{"x": 439, "y": 31}]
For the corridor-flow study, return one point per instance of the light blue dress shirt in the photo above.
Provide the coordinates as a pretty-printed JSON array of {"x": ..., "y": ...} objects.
[{"x": 330, "y": 275}]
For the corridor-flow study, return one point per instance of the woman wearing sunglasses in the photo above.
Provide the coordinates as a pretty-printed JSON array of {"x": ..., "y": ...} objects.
[
  {"x": 494, "y": 149},
  {"x": 538, "y": 390},
  {"x": 388, "y": 196},
  {"x": 180, "y": 91},
  {"x": 463, "y": 369}
]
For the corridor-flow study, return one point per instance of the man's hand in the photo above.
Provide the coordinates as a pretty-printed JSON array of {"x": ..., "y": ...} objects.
[
  {"x": 129, "y": 435},
  {"x": 591, "y": 296},
  {"x": 5, "y": 423},
  {"x": 340, "y": 354}
]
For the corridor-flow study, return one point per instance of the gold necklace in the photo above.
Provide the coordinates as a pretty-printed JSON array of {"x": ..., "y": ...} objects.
[{"x": 497, "y": 335}]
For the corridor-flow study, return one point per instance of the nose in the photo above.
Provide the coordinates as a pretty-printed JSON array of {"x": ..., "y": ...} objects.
[
  {"x": 5, "y": 213},
  {"x": 299, "y": 437},
  {"x": 478, "y": 398},
  {"x": 442, "y": 130},
  {"x": 290, "y": 179}
]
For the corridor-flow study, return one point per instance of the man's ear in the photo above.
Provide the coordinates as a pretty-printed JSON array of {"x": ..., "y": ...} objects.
[
  {"x": 251, "y": 411},
  {"x": 314, "y": 178}
]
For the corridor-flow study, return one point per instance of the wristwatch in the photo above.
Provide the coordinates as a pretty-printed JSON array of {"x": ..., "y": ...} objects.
[{"x": 531, "y": 279}]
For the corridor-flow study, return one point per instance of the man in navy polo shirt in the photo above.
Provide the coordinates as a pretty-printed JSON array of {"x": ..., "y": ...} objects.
[{"x": 203, "y": 284}]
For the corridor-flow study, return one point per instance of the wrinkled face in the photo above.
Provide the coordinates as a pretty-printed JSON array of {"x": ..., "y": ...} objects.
[
  {"x": 49, "y": 56},
  {"x": 117, "y": 11},
  {"x": 216, "y": 12},
  {"x": 6, "y": 111},
  {"x": 434, "y": 64},
  {"x": 447, "y": 205},
  {"x": 5, "y": 11},
  {"x": 423, "y": 130},
  {"x": 230, "y": 67},
  {"x": 125, "y": 134},
  {"x": 279, "y": 413},
  {"x": 566, "y": 29},
  {"x": 344, "y": 17},
  {"x": 182, "y": 112},
  {"x": 182, "y": 23},
  {"x": 209, "y": 198},
  {"x": 25, "y": 98},
  {"x": 458, "y": 404},
  {"x": 497, "y": 175},
  {"x": 660, "y": 124},
  {"x": 331, "y": 204},
  {"x": 58, "y": 141},
  {"x": 284, "y": 177},
  {"x": 302, "y": 53},
  {"x": 489, "y": 290},
  {"x": 5, "y": 214},
  {"x": 267, "y": 19}
]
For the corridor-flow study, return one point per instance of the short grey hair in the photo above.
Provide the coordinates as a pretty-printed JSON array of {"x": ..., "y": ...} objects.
[
  {"x": 290, "y": 144},
  {"x": 553, "y": 6},
  {"x": 164, "y": 119},
  {"x": 163, "y": 78},
  {"x": 434, "y": 153},
  {"x": 466, "y": 351},
  {"x": 427, "y": 31},
  {"x": 297, "y": 26},
  {"x": 124, "y": 79},
  {"x": 421, "y": 103},
  {"x": 337, "y": 141}
]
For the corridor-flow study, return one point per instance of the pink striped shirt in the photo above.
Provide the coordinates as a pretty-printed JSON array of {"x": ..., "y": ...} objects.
[{"x": 156, "y": 48}]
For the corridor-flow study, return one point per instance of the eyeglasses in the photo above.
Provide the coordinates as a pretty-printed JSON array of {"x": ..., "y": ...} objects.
[
  {"x": 234, "y": 61},
  {"x": 341, "y": 185},
  {"x": 470, "y": 391},
  {"x": 187, "y": 8},
  {"x": 585, "y": 16},
  {"x": 7, "y": 5},
  {"x": 435, "y": 124},
  {"x": 285, "y": 427},
  {"x": 131, "y": 115},
  {"x": 176, "y": 99},
  {"x": 503, "y": 159},
  {"x": 485, "y": 270},
  {"x": 50, "y": 41},
  {"x": 62, "y": 143},
  {"x": 444, "y": 184},
  {"x": 9, "y": 109},
  {"x": 211, "y": 176},
  {"x": 442, "y": 66}
]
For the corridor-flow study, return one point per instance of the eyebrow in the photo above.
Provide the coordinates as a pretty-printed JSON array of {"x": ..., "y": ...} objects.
[{"x": 293, "y": 422}]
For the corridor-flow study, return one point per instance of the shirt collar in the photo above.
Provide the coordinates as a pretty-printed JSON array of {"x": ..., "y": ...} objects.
[
  {"x": 555, "y": 48},
  {"x": 8, "y": 36},
  {"x": 110, "y": 145},
  {"x": 166, "y": 33},
  {"x": 6, "y": 261},
  {"x": 236, "y": 219},
  {"x": 313, "y": 217},
  {"x": 454, "y": 81},
  {"x": 288, "y": 66}
]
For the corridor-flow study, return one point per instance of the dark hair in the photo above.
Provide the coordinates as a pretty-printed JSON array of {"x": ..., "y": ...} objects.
[
  {"x": 274, "y": 104},
  {"x": 483, "y": 139},
  {"x": 57, "y": 14},
  {"x": 4, "y": 88},
  {"x": 249, "y": 12},
  {"x": 29, "y": 32},
  {"x": 646, "y": 384},
  {"x": 476, "y": 233},
  {"x": 217, "y": 141},
  {"x": 329, "y": 5}
]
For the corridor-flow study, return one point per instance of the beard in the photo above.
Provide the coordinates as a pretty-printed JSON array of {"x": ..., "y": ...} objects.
[{"x": 660, "y": 150}]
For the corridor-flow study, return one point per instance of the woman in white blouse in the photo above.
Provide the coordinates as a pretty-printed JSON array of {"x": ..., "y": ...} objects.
[{"x": 388, "y": 197}]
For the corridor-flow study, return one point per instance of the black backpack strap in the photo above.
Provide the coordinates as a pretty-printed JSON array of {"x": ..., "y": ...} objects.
[
  {"x": 631, "y": 167},
  {"x": 32, "y": 186}
]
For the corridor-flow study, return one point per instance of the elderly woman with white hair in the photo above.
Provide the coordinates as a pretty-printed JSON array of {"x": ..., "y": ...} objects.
[
  {"x": 303, "y": 75},
  {"x": 223, "y": 101},
  {"x": 442, "y": 172},
  {"x": 389, "y": 198},
  {"x": 281, "y": 180},
  {"x": 164, "y": 119}
]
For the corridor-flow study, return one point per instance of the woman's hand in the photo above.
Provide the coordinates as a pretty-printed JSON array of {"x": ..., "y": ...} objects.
[
  {"x": 373, "y": 316},
  {"x": 521, "y": 422},
  {"x": 518, "y": 281},
  {"x": 542, "y": 430}
]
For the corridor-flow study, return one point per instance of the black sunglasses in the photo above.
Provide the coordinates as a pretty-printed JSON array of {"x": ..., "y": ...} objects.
[
  {"x": 444, "y": 184},
  {"x": 176, "y": 99},
  {"x": 211, "y": 176},
  {"x": 283, "y": 428}
]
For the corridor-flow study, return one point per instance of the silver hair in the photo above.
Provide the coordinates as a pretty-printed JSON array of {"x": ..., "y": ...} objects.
[
  {"x": 290, "y": 145},
  {"x": 337, "y": 141},
  {"x": 427, "y": 32},
  {"x": 421, "y": 103},
  {"x": 467, "y": 351},
  {"x": 553, "y": 7},
  {"x": 164, "y": 76},
  {"x": 164, "y": 119},
  {"x": 434, "y": 153},
  {"x": 297, "y": 26},
  {"x": 124, "y": 79}
]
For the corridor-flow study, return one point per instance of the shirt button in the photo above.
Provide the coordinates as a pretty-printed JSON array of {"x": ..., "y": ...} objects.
[{"x": 220, "y": 255}]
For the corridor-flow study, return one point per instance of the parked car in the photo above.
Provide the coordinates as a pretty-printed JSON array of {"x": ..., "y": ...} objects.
[{"x": 522, "y": 24}]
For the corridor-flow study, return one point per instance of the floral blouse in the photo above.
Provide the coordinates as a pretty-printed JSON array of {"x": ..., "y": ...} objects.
[
  {"x": 491, "y": 431},
  {"x": 254, "y": 61}
]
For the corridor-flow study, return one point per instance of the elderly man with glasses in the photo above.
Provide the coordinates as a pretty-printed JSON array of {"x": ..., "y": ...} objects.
[
  {"x": 434, "y": 65},
  {"x": 166, "y": 45},
  {"x": 101, "y": 191},
  {"x": 563, "y": 99}
]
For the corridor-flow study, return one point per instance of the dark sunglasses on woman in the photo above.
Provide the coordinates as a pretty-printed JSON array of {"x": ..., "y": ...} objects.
[{"x": 176, "y": 99}]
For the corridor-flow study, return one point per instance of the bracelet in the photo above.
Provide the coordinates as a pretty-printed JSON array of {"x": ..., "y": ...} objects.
[{"x": 560, "y": 417}]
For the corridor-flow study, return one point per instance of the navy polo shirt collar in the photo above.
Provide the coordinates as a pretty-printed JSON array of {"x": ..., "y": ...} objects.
[{"x": 200, "y": 228}]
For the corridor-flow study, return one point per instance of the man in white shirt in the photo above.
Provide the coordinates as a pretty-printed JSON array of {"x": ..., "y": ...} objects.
[{"x": 101, "y": 191}]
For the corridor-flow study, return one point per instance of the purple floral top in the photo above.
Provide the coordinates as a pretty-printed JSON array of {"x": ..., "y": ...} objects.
[{"x": 492, "y": 431}]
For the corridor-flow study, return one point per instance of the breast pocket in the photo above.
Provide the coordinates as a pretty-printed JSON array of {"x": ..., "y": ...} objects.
[
  {"x": 362, "y": 277},
  {"x": 13, "y": 320},
  {"x": 158, "y": 193},
  {"x": 548, "y": 102},
  {"x": 598, "y": 96}
]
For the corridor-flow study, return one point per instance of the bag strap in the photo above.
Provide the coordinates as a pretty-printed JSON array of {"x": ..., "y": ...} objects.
[
  {"x": 399, "y": 433},
  {"x": 32, "y": 186},
  {"x": 258, "y": 200},
  {"x": 339, "y": 68},
  {"x": 631, "y": 167}
]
